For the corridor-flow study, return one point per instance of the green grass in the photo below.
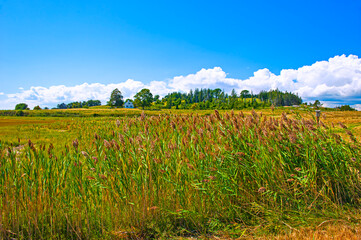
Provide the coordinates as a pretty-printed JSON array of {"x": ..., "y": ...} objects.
[
  {"x": 16, "y": 131},
  {"x": 174, "y": 175}
]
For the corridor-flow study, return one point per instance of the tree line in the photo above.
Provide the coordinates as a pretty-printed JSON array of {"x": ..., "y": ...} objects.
[
  {"x": 208, "y": 99},
  {"x": 204, "y": 98},
  {"x": 84, "y": 104},
  {"x": 218, "y": 99}
]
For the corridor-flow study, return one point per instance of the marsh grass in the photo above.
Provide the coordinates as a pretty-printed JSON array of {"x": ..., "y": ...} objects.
[
  {"x": 15, "y": 131},
  {"x": 180, "y": 175}
]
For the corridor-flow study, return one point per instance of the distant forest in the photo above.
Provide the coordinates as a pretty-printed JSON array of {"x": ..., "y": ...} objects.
[
  {"x": 218, "y": 99},
  {"x": 210, "y": 99},
  {"x": 84, "y": 104}
]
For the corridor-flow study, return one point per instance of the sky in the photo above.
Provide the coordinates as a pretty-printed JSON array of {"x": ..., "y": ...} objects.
[{"x": 63, "y": 51}]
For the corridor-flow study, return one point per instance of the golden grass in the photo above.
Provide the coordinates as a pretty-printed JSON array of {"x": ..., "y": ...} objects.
[
  {"x": 12, "y": 128},
  {"x": 334, "y": 231},
  {"x": 327, "y": 230},
  {"x": 18, "y": 130},
  {"x": 20, "y": 121}
]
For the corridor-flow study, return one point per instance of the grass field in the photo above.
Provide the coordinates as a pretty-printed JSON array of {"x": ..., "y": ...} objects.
[{"x": 177, "y": 174}]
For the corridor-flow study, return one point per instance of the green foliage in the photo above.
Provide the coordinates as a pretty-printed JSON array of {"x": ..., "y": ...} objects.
[
  {"x": 84, "y": 104},
  {"x": 143, "y": 98},
  {"x": 37, "y": 107},
  {"x": 346, "y": 108},
  {"x": 116, "y": 98},
  {"x": 62, "y": 106},
  {"x": 21, "y": 106},
  {"x": 278, "y": 98},
  {"x": 205, "y": 99},
  {"x": 245, "y": 94},
  {"x": 20, "y": 113},
  {"x": 156, "y": 98},
  {"x": 92, "y": 103},
  {"x": 217, "y": 99},
  {"x": 317, "y": 104}
]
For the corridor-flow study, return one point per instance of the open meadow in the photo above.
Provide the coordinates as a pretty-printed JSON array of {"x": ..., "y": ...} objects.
[{"x": 129, "y": 174}]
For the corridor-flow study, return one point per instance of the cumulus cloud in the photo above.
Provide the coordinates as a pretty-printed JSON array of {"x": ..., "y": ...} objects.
[
  {"x": 358, "y": 107},
  {"x": 335, "y": 82},
  {"x": 205, "y": 78},
  {"x": 1, "y": 93}
]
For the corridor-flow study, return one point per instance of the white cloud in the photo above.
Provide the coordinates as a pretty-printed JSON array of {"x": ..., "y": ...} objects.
[
  {"x": 335, "y": 82},
  {"x": 1, "y": 93},
  {"x": 205, "y": 78},
  {"x": 357, "y": 106}
]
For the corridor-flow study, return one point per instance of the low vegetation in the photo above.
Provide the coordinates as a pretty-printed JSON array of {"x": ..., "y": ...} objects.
[{"x": 225, "y": 174}]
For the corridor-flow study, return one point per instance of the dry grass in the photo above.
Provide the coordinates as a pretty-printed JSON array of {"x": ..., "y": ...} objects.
[
  {"x": 124, "y": 175},
  {"x": 21, "y": 121},
  {"x": 328, "y": 230},
  {"x": 15, "y": 131},
  {"x": 332, "y": 231}
]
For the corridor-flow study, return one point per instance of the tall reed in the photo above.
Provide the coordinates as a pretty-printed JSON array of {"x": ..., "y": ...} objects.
[{"x": 152, "y": 176}]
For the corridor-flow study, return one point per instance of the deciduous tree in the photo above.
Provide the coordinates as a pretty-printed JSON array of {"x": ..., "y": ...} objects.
[
  {"x": 144, "y": 98},
  {"x": 116, "y": 98},
  {"x": 21, "y": 106}
]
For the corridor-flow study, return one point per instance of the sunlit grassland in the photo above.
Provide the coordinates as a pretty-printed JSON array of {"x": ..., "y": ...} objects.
[
  {"x": 16, "y": 131},
  {"x": 59, "y": 128},
  {"x": 177, "y": 173}
]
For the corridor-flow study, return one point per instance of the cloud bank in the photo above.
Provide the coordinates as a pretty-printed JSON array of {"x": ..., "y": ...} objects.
[{"x": 335, "y": 81}]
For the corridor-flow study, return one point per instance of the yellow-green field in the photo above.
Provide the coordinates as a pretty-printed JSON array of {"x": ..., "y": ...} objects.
[{"x": 180, "y": 173}]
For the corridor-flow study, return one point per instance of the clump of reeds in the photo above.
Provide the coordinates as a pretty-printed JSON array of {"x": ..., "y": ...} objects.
[{"x": 185, "y": 174}]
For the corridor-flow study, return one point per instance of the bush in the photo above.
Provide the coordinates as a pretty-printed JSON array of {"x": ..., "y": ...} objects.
[
  {"x": 20, "y": 113},
  {"x": 21, "y": 106}
]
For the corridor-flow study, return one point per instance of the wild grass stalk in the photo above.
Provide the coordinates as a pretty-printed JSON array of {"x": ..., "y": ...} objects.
[{"x": 177, "y": 174}]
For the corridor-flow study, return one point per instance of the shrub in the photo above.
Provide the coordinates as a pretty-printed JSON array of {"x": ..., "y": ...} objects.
[{"x": 21, "y": 106}]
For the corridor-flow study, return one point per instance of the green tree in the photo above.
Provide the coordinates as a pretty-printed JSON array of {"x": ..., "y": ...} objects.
[
  {"x": 92, "y": 103},
  {"x": 317, "y": 104},
  {"x": 169, "y": 102},
  {"x": 156, "y": 99},
  {"x": 245, "y": 94},
  {"x": 62, "y": 106},
  {"x": 216, "y": 92},
  {"x": 37, "y": 107},
  {"x": 346, "y": 108},
  {"x": 233, "y": 94},
  {"x": 21, "y": 106},
  {"x": 177, "y": 103},
  {"x": 116, "y": 98},
  {"x": 144, "y": 98}
]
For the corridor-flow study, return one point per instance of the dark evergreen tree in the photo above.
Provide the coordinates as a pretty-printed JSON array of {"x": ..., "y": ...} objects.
[{"x": 62, "y": 106}]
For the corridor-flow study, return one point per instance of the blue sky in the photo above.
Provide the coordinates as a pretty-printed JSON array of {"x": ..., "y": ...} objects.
[{"x": 52, "y": 43}]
